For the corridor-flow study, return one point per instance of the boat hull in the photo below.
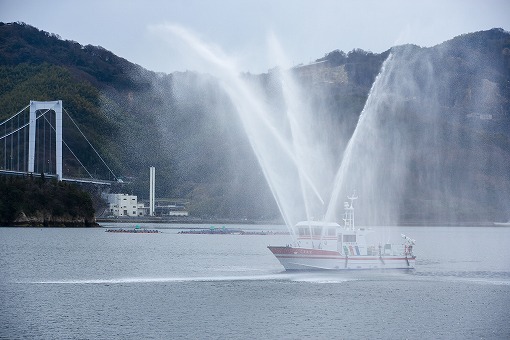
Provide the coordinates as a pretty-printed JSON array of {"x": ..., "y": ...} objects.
[{"x": 317, "y": 259}]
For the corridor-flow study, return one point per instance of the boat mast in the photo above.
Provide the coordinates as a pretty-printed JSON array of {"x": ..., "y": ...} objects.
[{"x": 349, "y": 212}]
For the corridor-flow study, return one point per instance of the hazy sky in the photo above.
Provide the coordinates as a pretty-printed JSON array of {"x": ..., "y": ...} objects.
[{"x": 305, "y": 29}]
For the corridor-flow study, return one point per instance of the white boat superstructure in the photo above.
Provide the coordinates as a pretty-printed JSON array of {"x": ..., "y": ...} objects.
[{"x": 320, "y": 245}]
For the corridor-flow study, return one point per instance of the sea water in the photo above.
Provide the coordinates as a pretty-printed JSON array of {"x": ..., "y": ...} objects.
[{"x": 90, "y": 284}]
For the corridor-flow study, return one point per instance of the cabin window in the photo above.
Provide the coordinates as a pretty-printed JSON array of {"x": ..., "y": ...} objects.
[
  {"x": 349, "y": 238},
  {"x": 331, "y": 232},
  {"x": 317, "y": 231},
  {"x": 304, "y": 231}
]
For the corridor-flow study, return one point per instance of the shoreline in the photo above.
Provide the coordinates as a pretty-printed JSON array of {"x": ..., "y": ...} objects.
[
  {"x": 98, "y": 223},
  {"x": 253, "y": 222},
  {"x": 161, "y": 220}
]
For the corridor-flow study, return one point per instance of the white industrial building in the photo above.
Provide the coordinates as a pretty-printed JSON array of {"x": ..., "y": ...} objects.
[
  {"x": 142, "y": 209},
  {"x": 128, "y": 206},
  {"x": 170, "y": 209},
  {"x": 123, "y": 205}
]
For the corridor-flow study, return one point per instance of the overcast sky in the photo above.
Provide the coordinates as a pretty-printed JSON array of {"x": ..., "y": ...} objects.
[{"x": 305, "y": 29}]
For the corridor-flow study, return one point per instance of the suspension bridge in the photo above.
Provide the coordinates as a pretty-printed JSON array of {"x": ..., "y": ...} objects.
[{"x": 32, "y": 143}]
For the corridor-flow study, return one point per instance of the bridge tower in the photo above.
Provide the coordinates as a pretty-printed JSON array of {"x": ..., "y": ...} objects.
[{"x": 57, "y": 107}]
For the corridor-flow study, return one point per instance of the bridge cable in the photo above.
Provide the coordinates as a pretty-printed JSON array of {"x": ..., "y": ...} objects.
[
  {"x": 97, "y": 153},
  {"x": 11, "y": 133},
  {"x": 8, "y": 119},
  {"x": 44, "y": 142},
  {"x": 5, "y": 148},
  {"x": 25, "y": 125},
  {"x": 67, "y": 146},
  {"x": 17, "y": 148},
  {"x": 25, "y": 144},
  {"x": 5, "y": 129},
  {"x": 49, "y": 164},
  {"x": 12, "y": 136}
]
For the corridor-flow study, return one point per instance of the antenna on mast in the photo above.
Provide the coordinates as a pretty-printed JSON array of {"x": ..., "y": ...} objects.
[{"x": 349, "y": 212}]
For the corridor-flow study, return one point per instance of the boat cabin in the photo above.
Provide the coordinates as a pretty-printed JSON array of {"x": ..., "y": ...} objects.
[{"x": 331, "y": 236}]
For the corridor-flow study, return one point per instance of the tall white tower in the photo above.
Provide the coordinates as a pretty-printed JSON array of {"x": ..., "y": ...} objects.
[
  {"x": 152, "y": 189},
  {"x": 57, "y": 107}
]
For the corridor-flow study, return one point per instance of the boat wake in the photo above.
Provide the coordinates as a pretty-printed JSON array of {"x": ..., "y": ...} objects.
[
  {"x": 160, "y": 280},
  {"x": 309, "y": 277},
  {"x": 301, "y": 277}
]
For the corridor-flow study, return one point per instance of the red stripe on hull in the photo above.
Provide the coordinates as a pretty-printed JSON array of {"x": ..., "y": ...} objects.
[
  {"x": 319, "y": 254},
  {"x": 350, "y": 258},
  {"x": 290, "y": 250}
]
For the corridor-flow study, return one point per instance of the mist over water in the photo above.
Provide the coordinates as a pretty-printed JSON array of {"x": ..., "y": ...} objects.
[
  {"x": 376, "y": 161},
  {"x": 284, "y": 138},
  {"x": 421, "y": 136},
  {"x": 426, "y": 135}
]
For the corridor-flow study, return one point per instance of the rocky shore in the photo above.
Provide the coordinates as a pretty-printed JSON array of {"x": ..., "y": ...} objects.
[{"x": 40, "y": 220}]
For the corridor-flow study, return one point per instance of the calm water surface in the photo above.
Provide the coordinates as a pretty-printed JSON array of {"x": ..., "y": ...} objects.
[{"x": 88, "y": 284}]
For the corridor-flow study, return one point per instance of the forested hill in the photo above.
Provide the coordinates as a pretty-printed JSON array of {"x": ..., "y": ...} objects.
[
  {"x": 109, "y": 97},
  {"x": 185, "y": 125},
  {"x": 22, "y": 43},
  {"x": 42, "y": 202}
]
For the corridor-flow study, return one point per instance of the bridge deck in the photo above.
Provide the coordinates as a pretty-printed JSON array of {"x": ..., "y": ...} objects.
[{"x": 75, "y": 180}]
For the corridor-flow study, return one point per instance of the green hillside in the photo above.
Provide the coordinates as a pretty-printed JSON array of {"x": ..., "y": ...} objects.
[
  {"x": 39, "y": 202},
  {"x": 103, "y": 93}
]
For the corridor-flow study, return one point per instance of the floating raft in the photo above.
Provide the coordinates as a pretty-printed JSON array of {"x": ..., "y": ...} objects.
[
  {"x": 133, "y": 231},
  {"x": 231, "y": 231}
]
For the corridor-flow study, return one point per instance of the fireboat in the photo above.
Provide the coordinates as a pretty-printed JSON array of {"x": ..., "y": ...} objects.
[{"x": 319, "y": 245}]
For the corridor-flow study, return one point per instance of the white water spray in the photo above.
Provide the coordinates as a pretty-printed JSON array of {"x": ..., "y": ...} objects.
[
  {"x": 282, "y": 157},
  {"x": 398, "y": 131}
]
